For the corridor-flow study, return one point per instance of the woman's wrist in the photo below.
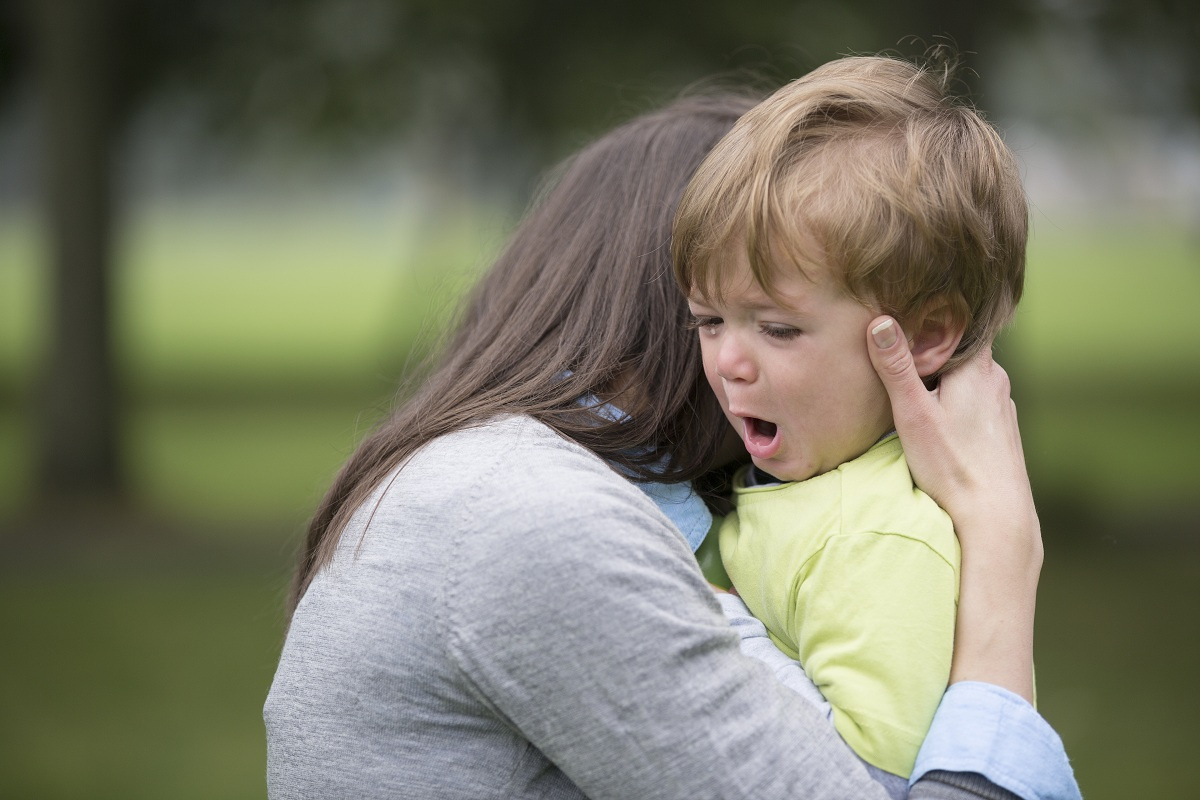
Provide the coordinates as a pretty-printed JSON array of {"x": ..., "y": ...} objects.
[{"x": 997, "y": 598}]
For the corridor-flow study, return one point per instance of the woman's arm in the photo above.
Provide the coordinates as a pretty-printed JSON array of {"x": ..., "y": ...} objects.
[{"x": 964, "y": 449}]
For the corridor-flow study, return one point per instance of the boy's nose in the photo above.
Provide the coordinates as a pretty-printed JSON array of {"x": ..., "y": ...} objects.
[{"x": 734, "y": 362}]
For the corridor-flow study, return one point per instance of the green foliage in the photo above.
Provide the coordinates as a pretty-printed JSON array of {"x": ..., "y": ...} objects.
[{"x": 481, "y": 74}]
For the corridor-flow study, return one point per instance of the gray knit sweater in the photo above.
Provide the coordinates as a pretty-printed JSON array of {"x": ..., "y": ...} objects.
[{"x": 509, "y": 618}]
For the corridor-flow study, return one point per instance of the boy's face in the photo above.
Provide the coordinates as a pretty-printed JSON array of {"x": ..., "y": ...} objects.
[{"x": 793, "y": 377}]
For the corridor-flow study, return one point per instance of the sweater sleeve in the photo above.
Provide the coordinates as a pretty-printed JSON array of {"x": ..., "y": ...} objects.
[{"x": 587, "y": 627}]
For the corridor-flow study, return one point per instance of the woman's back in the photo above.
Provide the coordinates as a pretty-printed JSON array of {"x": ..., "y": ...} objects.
[{"x": 453, "y": 651}]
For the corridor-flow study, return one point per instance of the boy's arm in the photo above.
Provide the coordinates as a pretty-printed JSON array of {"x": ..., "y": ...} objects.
[{"x": 881, "y": 656}]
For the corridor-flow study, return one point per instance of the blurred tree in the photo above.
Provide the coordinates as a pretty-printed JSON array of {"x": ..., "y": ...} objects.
[
  {"x": 466, "y": 82},
  {"x": 74, "y": 46},
  {"x": 1154, "y": 45}
]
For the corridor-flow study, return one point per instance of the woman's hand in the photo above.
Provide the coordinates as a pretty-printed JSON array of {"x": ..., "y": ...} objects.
[{"x": 963, "y": 447}]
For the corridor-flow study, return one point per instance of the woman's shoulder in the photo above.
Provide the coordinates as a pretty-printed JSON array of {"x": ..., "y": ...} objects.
[
  {"x": 511, "y": 473},
  {"x": 490, "y": 506},
  {"x": 519, "y": 448}
]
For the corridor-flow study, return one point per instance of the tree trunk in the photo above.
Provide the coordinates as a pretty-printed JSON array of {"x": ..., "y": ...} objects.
[{"x": 76, "y": 432}]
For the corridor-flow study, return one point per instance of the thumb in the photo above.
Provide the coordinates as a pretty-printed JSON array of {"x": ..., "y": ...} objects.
[{"x": 893, "y": 362}]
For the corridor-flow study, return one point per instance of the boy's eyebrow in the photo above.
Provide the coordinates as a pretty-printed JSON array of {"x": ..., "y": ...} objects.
[
  {"x": 767, "y": 304},
  {"x": 772, "y": 302},
  {"x": 764, "y": 301}
]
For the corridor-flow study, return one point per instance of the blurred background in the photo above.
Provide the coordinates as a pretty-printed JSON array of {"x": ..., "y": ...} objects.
[{"x": 227, "y": 228}]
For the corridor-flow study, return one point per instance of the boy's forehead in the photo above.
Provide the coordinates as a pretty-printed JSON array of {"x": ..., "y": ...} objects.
[
  {"x": 730, "y": 281},
  {"x": 725, "y": 271},
  {"x": 735, "y": 266}
]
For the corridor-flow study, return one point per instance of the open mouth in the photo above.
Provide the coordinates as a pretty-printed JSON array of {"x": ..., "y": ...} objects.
[{"x": 761, "y": 437}]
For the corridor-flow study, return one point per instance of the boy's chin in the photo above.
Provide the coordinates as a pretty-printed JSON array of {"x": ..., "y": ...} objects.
[{"x": 783, "y": 473}]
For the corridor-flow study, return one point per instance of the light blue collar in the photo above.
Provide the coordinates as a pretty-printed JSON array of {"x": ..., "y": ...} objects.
[
  {"x": 683, "y": 507},
  {"x": 678, "y": 501}
]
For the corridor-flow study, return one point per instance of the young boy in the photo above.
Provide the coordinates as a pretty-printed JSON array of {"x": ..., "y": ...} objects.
[{"x": 858, "y": 190}]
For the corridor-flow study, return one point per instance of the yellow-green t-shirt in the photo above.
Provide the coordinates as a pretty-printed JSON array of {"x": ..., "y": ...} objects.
[{"x": 855, "y": 573}]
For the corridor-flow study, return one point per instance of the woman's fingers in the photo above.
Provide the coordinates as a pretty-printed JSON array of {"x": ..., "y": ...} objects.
[
  {"x": 916, "y": 412},
  {"x": 893, "y": 362},
  {"x": 961, "y": 440}
]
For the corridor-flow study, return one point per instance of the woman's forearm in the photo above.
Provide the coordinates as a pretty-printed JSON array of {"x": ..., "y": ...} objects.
[{"x": 994, "y": 629}]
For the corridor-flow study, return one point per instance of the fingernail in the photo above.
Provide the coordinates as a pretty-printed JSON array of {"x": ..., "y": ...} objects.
[{"x": 884, "y": 334}]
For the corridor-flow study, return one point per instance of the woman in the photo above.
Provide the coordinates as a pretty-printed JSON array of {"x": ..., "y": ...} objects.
[{"x": 493, "y": 602}]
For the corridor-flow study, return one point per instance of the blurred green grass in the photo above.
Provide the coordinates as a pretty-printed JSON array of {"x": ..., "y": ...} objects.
[
  {"x": 136, "y": 685},
  {"x": 1106, "y": 371},
  {"x": 257, "y": 344},
  {"x": 1117, "y": 653},
  {"x": 256, "y": 349}
]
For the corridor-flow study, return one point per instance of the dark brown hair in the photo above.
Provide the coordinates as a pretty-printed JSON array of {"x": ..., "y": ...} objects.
[
  {"x": 870, "y": 167},
  {"x": 581, "y": 303}
]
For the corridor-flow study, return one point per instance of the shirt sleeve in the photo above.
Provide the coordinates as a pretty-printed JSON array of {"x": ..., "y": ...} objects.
[
  {"x": 991, "y": 731},
  {"x": 880, "y": 651}
]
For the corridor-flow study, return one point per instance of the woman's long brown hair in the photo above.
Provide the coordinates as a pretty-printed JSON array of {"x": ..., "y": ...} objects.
[{"x": 581, "y": 302}]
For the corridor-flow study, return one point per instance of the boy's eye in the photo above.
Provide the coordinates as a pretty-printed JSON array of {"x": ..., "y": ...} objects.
[
  {"x": 698, "y": 323},
  {"x": 783, "y": 332}
]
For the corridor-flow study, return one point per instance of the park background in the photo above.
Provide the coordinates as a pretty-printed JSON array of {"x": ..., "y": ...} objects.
[{"x": 228, "y": 228}]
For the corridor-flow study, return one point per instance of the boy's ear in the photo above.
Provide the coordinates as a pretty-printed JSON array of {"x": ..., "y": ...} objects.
[{"x": 934, "y": 333}]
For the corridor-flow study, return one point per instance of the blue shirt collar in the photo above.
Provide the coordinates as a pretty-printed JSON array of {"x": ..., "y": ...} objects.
[
  {"x": 678, "y": 501},
  {"x": 683, "y": 507}
]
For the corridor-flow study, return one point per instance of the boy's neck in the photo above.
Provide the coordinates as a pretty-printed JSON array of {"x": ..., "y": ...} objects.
[{"x": 760, "y": 477}]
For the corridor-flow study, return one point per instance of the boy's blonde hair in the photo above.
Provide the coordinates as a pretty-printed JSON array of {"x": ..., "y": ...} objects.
[{"x": 866, "y": 165}]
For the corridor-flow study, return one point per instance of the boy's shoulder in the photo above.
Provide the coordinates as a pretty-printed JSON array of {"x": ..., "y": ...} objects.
[
  {"x": 873, "y": 493},
  {"x": 879, "y": 495}
]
